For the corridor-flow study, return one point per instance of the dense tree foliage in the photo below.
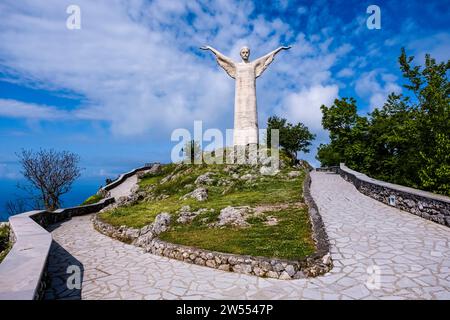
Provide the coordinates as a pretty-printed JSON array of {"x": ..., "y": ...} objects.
[
  {"x": 406, "y": 141},
  {"x": 292, "y": 138}
]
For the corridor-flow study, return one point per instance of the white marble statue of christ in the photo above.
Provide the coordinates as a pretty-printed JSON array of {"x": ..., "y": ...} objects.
[{"x": 245, "y": 73}]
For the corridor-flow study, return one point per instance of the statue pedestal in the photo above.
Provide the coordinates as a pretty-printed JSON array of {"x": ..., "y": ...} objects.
[{"x": 243, "y": 137}]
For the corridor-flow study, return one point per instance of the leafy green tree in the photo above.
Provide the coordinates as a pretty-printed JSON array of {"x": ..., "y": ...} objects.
[
  {"x": 435, "y": 172},
  {"x": 292, "y": 138},
  {"x": 348, "y": 134},
  {"x": 431, "y": 89},
  {"x": 406, "y": 141},
  {"x": 392, "y": 132}
]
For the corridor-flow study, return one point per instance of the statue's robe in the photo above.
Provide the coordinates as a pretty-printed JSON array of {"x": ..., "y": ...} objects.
[{"x": 245, "y": 110}]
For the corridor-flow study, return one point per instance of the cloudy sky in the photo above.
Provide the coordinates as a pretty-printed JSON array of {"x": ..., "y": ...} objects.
[{"x": 114, "y": 90}]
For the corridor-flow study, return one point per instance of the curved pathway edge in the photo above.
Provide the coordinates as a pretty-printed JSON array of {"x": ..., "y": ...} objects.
[{"x": 379, "y": 252}]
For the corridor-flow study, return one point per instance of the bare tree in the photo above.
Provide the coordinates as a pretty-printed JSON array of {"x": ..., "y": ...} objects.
[
  {"x": 192, "y": 151},
  {"x": 51, "y": 173},
  {"x": 17, "y": 206},
  {"x": 24, "y": 203}
]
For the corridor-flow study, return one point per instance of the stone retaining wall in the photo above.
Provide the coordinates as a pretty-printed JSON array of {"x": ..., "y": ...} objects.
[
  {"x": 424, "y": 204},
  {"x": 334, "y": 169},
  {"x": 104, "y": 191},
  {"x": 320, "y": 235},
  {"x": 318, "y": 263},
  {"x": 46, "y": 218},
  {"x": 22, "y": 272}
]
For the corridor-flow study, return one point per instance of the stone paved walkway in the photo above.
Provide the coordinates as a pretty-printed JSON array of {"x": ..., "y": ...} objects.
[
  {"x": 124, "y": 189},
  {"x": 409, "y": 256}
]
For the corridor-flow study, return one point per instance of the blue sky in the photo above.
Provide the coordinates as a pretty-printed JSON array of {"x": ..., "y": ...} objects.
[{"x": 115, "y": 90}]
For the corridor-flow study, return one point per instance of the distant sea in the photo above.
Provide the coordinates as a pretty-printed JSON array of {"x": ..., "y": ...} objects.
[{"x": 81, "y": 189}]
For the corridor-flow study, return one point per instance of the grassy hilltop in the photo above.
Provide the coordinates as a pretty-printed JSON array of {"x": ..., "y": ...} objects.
[{"x": 276, "y": 219}]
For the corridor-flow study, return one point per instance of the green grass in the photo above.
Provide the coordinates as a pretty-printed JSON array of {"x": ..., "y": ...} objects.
[
  {"x": 92, "y": 199},
  {"x": 289, "y": 239},
  {"x": 268, "y": 190},
  {"x": 5, "y": 245}
]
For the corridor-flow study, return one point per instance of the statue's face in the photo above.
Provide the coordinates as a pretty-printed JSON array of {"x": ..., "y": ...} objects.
[{"x": 245, "y": 53}]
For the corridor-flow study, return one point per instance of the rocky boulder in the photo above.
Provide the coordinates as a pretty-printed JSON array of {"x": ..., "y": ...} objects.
[
  {"x": 268, "y": 171},
  {"x": 204, "y": 179},
  {"x": 155, "y": 169},
  {"x": 186, "y": 216},
  {"x": 122, "y": 200},
  {"x": 4, "y": 224},
  {"x": 147, "y": 233},
  {"x": 141, "y": 174},
  {"x": 161, "y": 224},
  {"x": 234, "y": 216},
  {"x": 294, "y": 174},
  {"x": 200, "y": 194},
  {"x": 247, "y": 177},
  {"x": 271, "y": 221},
  {"x": 265, "y": 160}
]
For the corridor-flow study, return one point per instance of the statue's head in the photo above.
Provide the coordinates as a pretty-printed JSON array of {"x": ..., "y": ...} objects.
[{"x": 245, "y": 53}]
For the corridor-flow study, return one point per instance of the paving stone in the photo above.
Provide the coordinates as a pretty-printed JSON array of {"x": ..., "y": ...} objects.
[
  {"x": 357, "y": 292},
  {"x": 364, "y": 234}
]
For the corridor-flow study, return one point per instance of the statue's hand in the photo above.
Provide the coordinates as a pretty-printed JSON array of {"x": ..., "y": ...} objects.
[{"x": 205, "y": 48}]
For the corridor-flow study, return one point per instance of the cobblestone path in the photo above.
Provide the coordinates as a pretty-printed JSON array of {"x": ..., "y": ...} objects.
[
  {"x": 124, "y": 189},
  {"x": 379, "y": 252}
]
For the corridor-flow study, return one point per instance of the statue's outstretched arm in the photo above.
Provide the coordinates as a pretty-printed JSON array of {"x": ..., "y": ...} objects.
[
  {"x": 226, "y": 63},
  {"x": 262, "y": 63},
  {"x": 217, "y": 53}
]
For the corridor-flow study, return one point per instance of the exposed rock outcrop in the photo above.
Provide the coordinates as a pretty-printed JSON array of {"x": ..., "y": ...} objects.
[
  {"x": 204, "y": 179},
  {"x": 200, "y": 194},
  {"x": 233, "y": 216}
]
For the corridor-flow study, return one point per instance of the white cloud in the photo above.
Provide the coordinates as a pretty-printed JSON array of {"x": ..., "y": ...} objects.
[
  {"x": 345, "y": 73},
  {"x": 131, "y": 75},
  {"x": 438, "y": 46},
  {"x": 17, "y": 109},
  {"x": 137, "y": 63},
  {"x": 302, "y": 10},
  {"x": 304, "y": 106},
  {"x": 282, "y": 4},
  {"x": 376, "y": 86},
  {"x": 8, "y": 173}
]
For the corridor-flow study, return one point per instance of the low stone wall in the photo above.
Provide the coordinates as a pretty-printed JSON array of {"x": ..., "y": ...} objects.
[
  {"x": 316, "y": 264},
  {"x": 23, "y": 268},
  {"x": 259, "y": 266},
  {"x": 46, "y": 218},
  {"x": 320, "y": 235},
  {"x": 424, "y": 204},
  {"x": 123, "y": 233},
  {"x": 334, "y": 169},
  {"x": 104, "y": 191},
  {"x": 22, "y": 272}
]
